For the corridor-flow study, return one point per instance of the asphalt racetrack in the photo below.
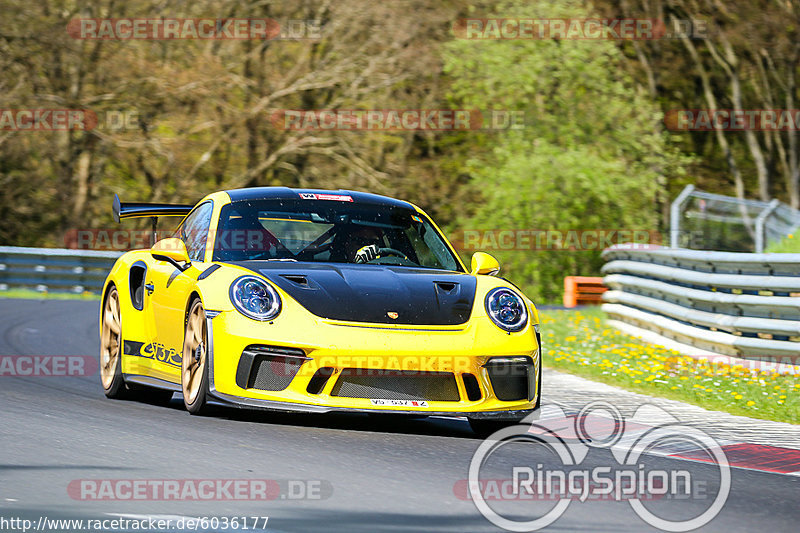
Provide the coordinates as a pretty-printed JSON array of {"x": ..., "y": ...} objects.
[{"x": 348, "y": 473}]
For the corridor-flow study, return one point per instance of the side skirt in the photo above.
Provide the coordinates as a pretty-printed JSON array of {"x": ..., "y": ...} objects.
[{"x": 151, "y": 382}]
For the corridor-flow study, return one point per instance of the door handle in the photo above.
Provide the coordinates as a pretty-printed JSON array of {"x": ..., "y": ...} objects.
[{"x": 149, "y": 287}]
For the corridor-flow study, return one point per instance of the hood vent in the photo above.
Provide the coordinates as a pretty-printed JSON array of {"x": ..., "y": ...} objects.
[{"x": 297, "y": 279}]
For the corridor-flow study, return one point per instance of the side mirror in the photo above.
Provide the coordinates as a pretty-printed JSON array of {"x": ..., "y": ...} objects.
[
  {"x": 483, "y": 263},
  {"x": 171, "y": 250}
]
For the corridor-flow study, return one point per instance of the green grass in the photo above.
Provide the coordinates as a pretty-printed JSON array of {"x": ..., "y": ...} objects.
[
  {"x": 579, "y": 342},
  {"x": 788, "y": 245},
  {"x": 30, "y": 294}
]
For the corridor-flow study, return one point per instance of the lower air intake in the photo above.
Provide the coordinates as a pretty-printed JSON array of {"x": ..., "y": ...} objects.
[
  {"x": 513, "y": 379},
  {"x": 396, "y": 385},
  {"x": 268, "y": 368}
]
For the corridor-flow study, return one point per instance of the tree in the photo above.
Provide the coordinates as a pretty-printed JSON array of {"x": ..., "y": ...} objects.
[{"x": 589, "y": 158}]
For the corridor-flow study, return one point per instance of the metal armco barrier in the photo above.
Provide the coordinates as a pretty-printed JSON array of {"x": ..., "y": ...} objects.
[
  {"x": 740, "y": 304},
  {"x": 53, "y": 269}
]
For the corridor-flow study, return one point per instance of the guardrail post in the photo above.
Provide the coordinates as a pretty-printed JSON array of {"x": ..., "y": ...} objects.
[
  {"x": 675, "y": 216},
  {"x": 761, "y": 236}
]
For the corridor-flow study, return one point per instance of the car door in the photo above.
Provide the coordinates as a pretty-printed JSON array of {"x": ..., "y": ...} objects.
[{"x": 171, "y": 288}]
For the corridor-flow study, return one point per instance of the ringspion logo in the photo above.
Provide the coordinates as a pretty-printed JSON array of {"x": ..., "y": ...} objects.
[{"x": 569, "y": 439}]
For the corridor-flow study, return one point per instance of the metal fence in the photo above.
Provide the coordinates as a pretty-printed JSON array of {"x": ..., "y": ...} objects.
[
  {"x": 49, "y": 269},
  {"x": 705, "y": 221},
  {"x": 739, "y": 304}
]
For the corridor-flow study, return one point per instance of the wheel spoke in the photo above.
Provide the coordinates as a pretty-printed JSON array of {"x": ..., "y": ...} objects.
[
  {"x": 110, "y": 339},
  {"x": 198, "y": 325},
  {"x": 108, "y": 320},
  {"x": 115, "y": 302}
]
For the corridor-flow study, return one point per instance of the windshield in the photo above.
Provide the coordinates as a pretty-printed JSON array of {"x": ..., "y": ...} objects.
[{"x": 329, "y": 232}]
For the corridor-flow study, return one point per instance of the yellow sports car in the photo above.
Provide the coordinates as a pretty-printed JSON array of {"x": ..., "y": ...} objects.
[{"x": 316, "y": 301}]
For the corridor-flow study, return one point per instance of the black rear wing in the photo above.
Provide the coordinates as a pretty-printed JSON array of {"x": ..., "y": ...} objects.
[
  {"x": 148, "y": 210},
  {"x": 145, "y": 210}
]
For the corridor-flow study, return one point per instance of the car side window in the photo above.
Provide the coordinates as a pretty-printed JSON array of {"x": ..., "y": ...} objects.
[{"x": 194, "y": 231}]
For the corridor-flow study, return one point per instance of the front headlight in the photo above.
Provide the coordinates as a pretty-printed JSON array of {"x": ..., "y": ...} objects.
[
  {"x": 255, "y": 298},
  {"x": 506, "y": 309}
]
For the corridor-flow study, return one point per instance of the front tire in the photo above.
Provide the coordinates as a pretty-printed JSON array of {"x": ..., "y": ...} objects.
[{"x": 194, "y": 368}]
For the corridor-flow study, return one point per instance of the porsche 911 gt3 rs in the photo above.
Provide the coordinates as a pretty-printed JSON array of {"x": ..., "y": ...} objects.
[{"x": 316, "y": 301}]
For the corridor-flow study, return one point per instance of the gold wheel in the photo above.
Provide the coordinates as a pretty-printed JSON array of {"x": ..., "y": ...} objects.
[
  {"x": 193, "y": 366},
  {"x": 110, "y": 340}
]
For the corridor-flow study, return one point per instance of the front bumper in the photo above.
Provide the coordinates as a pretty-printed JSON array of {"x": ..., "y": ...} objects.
[{"x": 342, "y": 346}]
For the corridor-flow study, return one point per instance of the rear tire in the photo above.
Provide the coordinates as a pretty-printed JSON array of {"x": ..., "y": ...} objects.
[
  {"x": 194, "y": 367},
  {"x": 111, "y": 348}
]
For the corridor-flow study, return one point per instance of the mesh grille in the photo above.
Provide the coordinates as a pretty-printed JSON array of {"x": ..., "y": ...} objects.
[
  {"x": 397, "y": 385},
  {"x": 273, "y": 373}
]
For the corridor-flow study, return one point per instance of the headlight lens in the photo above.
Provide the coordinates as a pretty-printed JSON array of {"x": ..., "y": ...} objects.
[
  {"x": 255, "y": 298},
  {"x": 506, "y": 309}
]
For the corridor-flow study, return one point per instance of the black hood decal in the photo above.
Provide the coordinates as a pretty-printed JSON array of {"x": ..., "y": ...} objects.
[{"x": 374, "y": 293}]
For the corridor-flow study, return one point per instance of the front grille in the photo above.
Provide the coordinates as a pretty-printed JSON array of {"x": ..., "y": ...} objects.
[
  {"x": 268, "y": 368},
  {"x": 397, "y": 385},
  {"x": 273, "y": 373}
]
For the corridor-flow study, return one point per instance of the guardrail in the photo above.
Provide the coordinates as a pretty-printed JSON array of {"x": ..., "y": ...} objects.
[
  {"x": 53, "y": 269},
  {"x": 739, "y": 304}
]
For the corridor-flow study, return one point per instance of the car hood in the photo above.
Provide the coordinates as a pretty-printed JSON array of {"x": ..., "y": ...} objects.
[{"x": 374, "y": 293}]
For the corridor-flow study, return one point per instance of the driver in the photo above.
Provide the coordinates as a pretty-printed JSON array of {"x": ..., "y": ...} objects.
[{"x": 363, "y": 244}]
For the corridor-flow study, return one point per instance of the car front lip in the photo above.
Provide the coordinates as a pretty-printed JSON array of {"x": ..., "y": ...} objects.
[{"x": 253, "y": 403}]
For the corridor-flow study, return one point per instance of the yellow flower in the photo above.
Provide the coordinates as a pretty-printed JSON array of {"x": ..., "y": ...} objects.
[
  {"x": 738, "y": 397},
  {"x": 751, "y": 403}
]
